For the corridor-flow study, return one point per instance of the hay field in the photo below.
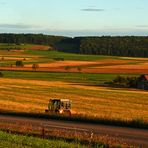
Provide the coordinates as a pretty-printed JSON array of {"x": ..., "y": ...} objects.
[{"x": 33, "y": 95}]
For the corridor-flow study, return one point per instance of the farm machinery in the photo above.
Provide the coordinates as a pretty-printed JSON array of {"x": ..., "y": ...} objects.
[{"x": 60, "y": 106}]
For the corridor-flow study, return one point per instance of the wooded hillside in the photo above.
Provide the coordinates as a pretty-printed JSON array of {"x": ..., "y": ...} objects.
[{"x": 106, "y": 45}]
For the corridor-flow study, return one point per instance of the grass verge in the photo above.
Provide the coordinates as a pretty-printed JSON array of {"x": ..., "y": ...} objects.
[{"x": 17, "y": 141}]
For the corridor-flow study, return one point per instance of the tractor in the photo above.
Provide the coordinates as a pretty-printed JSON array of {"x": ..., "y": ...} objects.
[{"x": 59, "y": 106}]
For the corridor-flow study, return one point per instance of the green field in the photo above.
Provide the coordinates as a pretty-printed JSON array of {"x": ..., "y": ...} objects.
[
  {"x": 4, "y": 46},
  {"x": 68, "y": 56},
  {"x": 18, "y": 141},
  {"x": 83, "y": 78}
]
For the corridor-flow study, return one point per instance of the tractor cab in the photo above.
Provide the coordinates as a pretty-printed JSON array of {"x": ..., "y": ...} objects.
[{"x": 62, "y": 106}]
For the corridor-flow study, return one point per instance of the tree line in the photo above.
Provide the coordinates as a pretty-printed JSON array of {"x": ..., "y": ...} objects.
[
  {"x": 29, "y": 38},
  {"x": 113, "y": 46},
  {"x": 135, "y": 46}
]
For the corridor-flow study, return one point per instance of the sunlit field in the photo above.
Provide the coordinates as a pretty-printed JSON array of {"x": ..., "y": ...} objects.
[
  {"x": 32, "y": 96},
  {"x": 25, "y": 91},
  {"x": 54, "y": 61}
]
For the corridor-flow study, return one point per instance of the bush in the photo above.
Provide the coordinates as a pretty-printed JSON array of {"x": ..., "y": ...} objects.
[
  {"x": 124, "y": 82},
  {"x": 1, "y": 74},
  {"x": 58, "y": 59},
  {"x": 19, "y": 64}
]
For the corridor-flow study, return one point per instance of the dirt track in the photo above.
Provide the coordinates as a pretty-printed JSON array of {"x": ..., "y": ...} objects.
[{"x": 138, "y": 137}]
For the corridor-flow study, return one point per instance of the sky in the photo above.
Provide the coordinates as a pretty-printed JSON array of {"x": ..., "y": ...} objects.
[{"x": 75, "y": 17}]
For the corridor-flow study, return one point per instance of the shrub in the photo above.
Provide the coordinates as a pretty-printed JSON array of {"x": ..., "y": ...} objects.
[
  {"x": 1, "y": 74},
  {"x": 19, "y": 64},
  {"x": 124, "y": 82},
  {"x": 58, "y": 59}
]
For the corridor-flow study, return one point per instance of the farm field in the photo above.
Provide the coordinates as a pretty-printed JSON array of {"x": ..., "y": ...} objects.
[
  {"x": 80, "y": 78},
  {"x": 53, "y": 61},
  {"x": 83, "y": 85},
  {"x": 96, "y": 101}
]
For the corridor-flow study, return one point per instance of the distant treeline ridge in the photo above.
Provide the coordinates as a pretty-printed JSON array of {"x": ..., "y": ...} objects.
[{"x": 106, "y": 45}]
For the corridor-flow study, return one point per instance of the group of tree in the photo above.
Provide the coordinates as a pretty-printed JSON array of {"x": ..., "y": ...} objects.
[
  {"x": 1, "y": 74},
  {"x": 20, "y": 63},
  {"x": 120, "y": 81}
]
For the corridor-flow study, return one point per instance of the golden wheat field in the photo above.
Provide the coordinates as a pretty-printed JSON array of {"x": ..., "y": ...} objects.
[{"x": 33, "y": 95}]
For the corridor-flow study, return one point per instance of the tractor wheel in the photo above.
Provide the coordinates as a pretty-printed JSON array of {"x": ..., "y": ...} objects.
[
  {"x": 46, "y": 110},
  {"x": 67, "y": 112}
]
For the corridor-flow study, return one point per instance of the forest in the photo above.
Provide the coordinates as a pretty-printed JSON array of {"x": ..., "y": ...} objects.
[
  {"x": 106, "y": 45},
  {"x": 134, "y": 46},
  {"x": 29, "y": 39}
]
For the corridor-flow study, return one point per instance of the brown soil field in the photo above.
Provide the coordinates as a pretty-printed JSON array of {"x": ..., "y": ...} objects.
[
  {"x": 15, "y": 54},
  {"x": 39, "y": 47},
  {"x": 15, "y": 58},
  {"x": 129, "y": 69},
  {"x": 123, "y": 65},
  {"x": 84, "y": 70},
  {"x": 58, "y": 64},
  {"x": 131, "y": 66}
]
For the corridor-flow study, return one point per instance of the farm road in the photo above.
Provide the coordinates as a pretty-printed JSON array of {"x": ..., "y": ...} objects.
[{"x": 137, "y": 137}]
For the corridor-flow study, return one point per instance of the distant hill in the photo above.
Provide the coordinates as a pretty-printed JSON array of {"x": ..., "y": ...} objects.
[{"x": 133, "y": 46}]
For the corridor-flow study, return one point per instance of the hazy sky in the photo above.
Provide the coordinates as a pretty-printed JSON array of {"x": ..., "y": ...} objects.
[{"x": 75, "y": 17}]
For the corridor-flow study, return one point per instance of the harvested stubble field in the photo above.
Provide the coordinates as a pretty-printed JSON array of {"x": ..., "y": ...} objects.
[
  {"x": 48, "y": 61},
  {"x": 32, "y": 96}
]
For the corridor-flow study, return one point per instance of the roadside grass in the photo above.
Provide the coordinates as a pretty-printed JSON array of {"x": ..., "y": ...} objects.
[
  {"x": 18, "y": 141},
  {"x": 77, "y": 138}
]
